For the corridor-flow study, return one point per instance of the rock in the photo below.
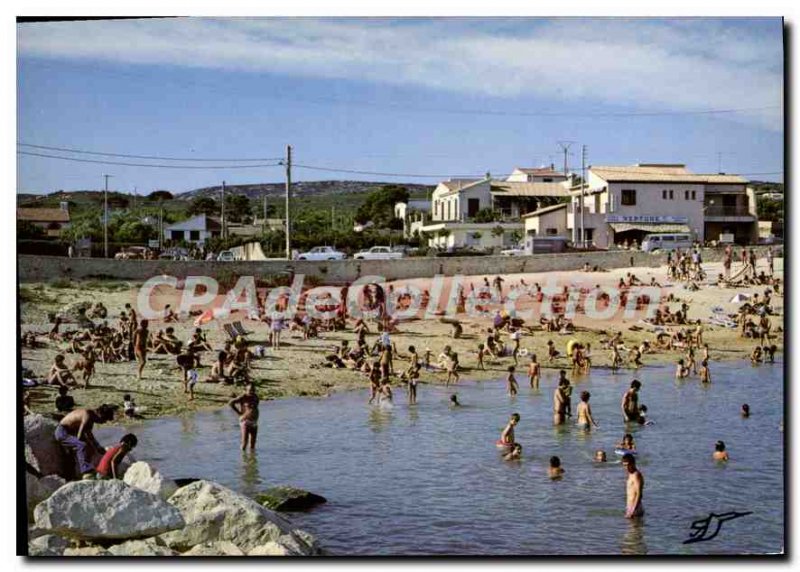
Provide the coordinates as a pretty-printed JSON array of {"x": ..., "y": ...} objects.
[
  {"x": 213, "y": 512},
  {"x": 186, "y": 481},
  {"x": 147, "y": 547},
  {"x": 105, "y": 510},
  {"x": 289, "y": 499},
  {"x": 47, "y": 545},
  {"x": 219, "y": 548},
  {"x": 87, "y": 551},
  {"x": 142, "y": 476},
  {"x": 39, "y": 490},
  {"x": 274, "y": 548},
  {"x": 42, "y": 450}
]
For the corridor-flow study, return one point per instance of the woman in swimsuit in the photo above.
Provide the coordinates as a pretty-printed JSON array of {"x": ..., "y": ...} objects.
[
  {"x": 246, "y": 407},
  {"x": 585, "y": 419}
]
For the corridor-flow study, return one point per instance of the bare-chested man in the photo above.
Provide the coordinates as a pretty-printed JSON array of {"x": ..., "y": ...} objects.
[
  {"x": 75, "y": 432},
  {"x": 634, "y": 488},
  {"x": 560, "y": 403},
  {"x": 630, "y": 402},
  {"x": 246, "y": 407},
  {"x": 140, "y": 345}
]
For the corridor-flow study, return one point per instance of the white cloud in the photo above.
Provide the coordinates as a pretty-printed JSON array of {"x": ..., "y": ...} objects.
[{"x": 634, "y": 64}]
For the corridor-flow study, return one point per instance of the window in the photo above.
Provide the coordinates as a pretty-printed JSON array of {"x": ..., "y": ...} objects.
[
  {"x": 176, "y": 234},
  {"x": 547, "y": 180},
  {"x": 589, "y": 234},
  {"x": 628, "y": 196},
  {"x": 551, "y": 231},
  {"x": 694, "y": 195},
  {"x": 664, "y": 194},
  {"x": 194, "y": 235},
  {"x": 686, "y": 195},
  {"x": 671, "y": 195}
]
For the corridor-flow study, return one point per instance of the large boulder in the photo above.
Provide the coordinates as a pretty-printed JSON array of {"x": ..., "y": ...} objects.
[
  {"x": 47, "y": 545},
  {"x": 146, "y": 547},
  {"x": 219, "y": 548},
  {"x": 285, "y": 546},
  {"x": 285, "y": 498},
  {"x": 213, "y": 512},
  {"x": 87, "y": 551},
  {"x": 105, "y": 510},
  {"x": 38, "y": 490},
  {"x": 42, "y": 451},
  {"x": 143, "y": 476}
]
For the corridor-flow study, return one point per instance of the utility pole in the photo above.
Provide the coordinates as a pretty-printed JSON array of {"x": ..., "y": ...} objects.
[
  {"x": 222, "y": 217},
  {"x": 264, "y": 226},
  {"x": 105, "y": 217},
  {"x": 583, "y": 192},
  {"x": 161, "y": 224},
  {"x": 288, "y": 198},
  {"x": 565, "y": 145}
]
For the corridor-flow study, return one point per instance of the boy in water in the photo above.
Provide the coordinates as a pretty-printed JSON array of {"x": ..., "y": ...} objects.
[
  {"x": 630, "y": 402},
  {"x": 745, "y": 411},
  {"x": 246, "y": 407},
  {"x": 627, "y": 443},
  {"x": 705, "y": 373},
  {"x": 534, "y": 372},
  {"x": 755, "y": 356},
  {"x": 720, "y": 454},
  {"x": 681, "y": 371},
  {"x": 514, "y": 454},
  {"x": 511, "y": 382},
  {"x": 108, "y": 467},
  {"x": 585, "y": 419},
  {"x": 600, "y": 456},
  {"x": 374, "y": 380},
  {"x": 555, "y": 470},
  {"x": 454, "y": 401},
  {"x": 616, "y": 359},
  {"x": 507, "y": 436},
  {"x": 634, "y": 488}
]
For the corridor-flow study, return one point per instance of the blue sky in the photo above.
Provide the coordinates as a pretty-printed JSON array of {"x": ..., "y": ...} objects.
[{"x": 441, "y": 97}]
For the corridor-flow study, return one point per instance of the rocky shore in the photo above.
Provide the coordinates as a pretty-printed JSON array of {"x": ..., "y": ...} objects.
[{"x": 144, "y": 514}]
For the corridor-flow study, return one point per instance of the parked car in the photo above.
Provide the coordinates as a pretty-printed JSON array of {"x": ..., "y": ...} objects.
[
  {"x": 175, "y": 253},
  {"x": 515, "y": 251},
  {"x": 322, "y": 253},
  {"x": 378, "y": 253},
  {"x": 225, "y": 256},
  {"x": 133, "y": 253},
  {"x": 664, "y": 242}
]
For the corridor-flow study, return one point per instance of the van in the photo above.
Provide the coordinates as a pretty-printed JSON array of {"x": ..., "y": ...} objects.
[{"x": 653, "y": 242}]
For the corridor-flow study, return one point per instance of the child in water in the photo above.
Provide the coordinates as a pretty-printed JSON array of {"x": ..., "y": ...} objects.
[
  {"x": 600, "y": 456},
  {"x": 720, "y": 454},
  {"x": 745, "y": 411},
  {"x": 627, "y": 443},
  {"x": 555, "y": 471},
  {"x": 515, "y": 454},
  {"x": 507, "y": 436},
  {"x": 681, "y": 371},
  {"x": 511, "y": 382},
  {"x": 534, "y": 372},
  {"x": 705, "y": 373},
  {"x": 454, "y": 401}
]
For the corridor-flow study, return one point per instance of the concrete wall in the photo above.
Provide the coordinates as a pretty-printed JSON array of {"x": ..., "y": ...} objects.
[{"x": 44, "y": 268}]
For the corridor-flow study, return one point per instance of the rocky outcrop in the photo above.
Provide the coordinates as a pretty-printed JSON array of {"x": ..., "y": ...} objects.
[
  {"x": 147, "y": 547},
  {"x": 87, "y": 551},
  {"x": 144, "y": 477},
  {"x": 213, "y": 513},
  {"x": 105, "y": 510},
  {"x": 289, "y": 499},
  {"x": 42, "y": 450},
  {"x": 47, "y": 545},
  {"x": 38, "y": 490},
  {"x": 219, "y": 548}
]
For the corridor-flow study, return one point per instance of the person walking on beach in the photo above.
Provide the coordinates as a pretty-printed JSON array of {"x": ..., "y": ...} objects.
[
  {"x": 634, "y": 488},
  {"x": 140, "y": 345},
  {"x": 246, "y": 407},
  {"x": 630, "y": 402},
  {"x": 770, "y": 261}
]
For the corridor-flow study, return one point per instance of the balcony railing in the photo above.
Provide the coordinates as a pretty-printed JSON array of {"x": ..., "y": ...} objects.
[{"x": 725, "y": 210}]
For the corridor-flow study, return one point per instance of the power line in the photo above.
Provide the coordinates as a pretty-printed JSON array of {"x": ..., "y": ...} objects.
[
  {"x": 151, "y": 165},
  {"x": 377, "y": 173},
  {"x": 155, "y": 157}
]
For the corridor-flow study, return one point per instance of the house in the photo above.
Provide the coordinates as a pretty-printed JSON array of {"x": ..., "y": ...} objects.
[
  {"x": 474, "y": 235},
  {"x": 413, "y": 214},
  {"x": 547, "y": 222},
  {"x": 619, "y": 203},
  {"x": 52, "y": 221},
  {"x": 541, "y": 175},
  {"x": 196, "y": 230}
]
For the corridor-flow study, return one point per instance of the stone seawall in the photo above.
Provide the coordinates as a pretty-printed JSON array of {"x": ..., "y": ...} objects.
[{"x": 45, "y": 268}]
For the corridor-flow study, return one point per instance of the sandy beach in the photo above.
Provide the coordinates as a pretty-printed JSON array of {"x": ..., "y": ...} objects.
[{"x": 290, "y": 371}]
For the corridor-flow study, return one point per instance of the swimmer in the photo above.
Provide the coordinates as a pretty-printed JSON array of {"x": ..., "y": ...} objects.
[
  {"x": 507, "y": 436},
  {"x": 627, "y": 443},
  {"x": 515, "y": 454},
  {"x": 454, "y": 401},
  {"x": 720, "y": 454},
  {"x": 585, "y": 419},
  {"x": 745, "y": 411},
  {"x": 555, "y": 470},
  {"x": 600, "y": 456},
  {"x": 705, "y": 373},
  {"x": 534, "y": 372},
  {"x": 511, "y": 382},
  {"x": 634, "y": 487}
]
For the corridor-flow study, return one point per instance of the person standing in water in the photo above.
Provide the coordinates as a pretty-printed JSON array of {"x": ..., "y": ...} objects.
[
  {"x": 246, "y": 407},
  {"x": 534, "y": 370},
  {"x": 507, "y": 436},
  {"x": 630, "y": 402},
  {"x": 560, "y": 403},
  {"x": 585, "y": 419},
  {"x": 511, "y": 382},
  {"x": 634, "y": 488}
]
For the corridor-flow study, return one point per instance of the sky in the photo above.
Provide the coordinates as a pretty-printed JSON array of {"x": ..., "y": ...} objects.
[{"x": 410, "y": 100}]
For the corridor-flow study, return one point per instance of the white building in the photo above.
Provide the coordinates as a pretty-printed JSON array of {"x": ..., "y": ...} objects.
[
  {"x": 479, "y": 236},
  {"x": 541, "y": 175},
  {"x": 196, "y": 230},
  {"x": 547, "y": 222},
  {"x": 413, "y": 214},
  {"x": 626, "y": 203}
]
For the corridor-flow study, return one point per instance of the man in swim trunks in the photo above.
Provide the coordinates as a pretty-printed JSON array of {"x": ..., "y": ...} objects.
[
  {"x": 630, "y": 402},
  {"x": 560, "y": 403},
  {"x": 246, "y": 407},
  {"x": 634, "y": 487},
  {"x": 75, "y": 432}
]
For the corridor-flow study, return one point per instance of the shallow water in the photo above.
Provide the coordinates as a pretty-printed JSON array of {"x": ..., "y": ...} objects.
[{"x": 428, "y": 479}]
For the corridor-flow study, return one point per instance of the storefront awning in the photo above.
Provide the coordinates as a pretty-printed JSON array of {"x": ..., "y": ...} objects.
[{"x": 649, "y": 227}]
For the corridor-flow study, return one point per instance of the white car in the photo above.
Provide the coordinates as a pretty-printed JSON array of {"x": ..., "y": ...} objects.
[
  {"x": 516, "y": 251},
  {"x": 378, "y": 253},
  {"x": 225, "y": 256},
  {"x": 322, "y": 253}
]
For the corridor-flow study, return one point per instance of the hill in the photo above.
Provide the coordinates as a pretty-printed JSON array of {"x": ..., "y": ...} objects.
[{"x": 303, "y": 189}]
